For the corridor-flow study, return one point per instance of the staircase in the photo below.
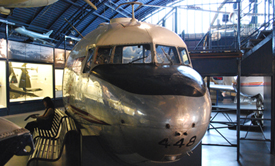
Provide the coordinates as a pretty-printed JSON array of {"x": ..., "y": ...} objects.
[{"x": 257, "y": 38}]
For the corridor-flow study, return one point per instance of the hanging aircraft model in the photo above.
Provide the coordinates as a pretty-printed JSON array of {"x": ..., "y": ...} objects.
[
  {"x": 4, "y": 4},
  {"x": 35, "y": 36},
  {"x": 132, "y": 85}
]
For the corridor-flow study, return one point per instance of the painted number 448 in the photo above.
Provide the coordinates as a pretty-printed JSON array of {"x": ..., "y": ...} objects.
[{"x": 179, "y": 143}]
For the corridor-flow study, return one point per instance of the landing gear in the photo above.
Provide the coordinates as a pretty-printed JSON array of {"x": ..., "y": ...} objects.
[{"x": 258, "y": 114}]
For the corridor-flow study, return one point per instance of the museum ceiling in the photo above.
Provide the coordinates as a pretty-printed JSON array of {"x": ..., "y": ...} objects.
[{"x": 78, "y": 13}]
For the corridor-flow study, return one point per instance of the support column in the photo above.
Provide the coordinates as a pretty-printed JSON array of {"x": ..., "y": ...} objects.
[
  {"x": 7, "y": 70},
  {"x": 176, "y": 20},
  {"x": 272, "y": 148},
  {"x": 238, "y": 82}
]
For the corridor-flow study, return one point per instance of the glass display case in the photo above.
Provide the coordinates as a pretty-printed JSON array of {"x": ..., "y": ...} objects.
[
  {"x": 3, "y": 95},
  {"x": 29, "y": 81},
  {"x": 58, "y": 82}
]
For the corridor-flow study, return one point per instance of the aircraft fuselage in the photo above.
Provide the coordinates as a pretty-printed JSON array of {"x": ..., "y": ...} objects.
[{"x": 132, "y": 84}]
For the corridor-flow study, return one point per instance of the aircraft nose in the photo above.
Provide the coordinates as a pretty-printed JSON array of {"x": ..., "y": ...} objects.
[{"x": 172, "y": 127}]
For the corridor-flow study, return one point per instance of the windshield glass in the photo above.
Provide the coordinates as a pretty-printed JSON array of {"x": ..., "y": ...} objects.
[
  {"x": 167, "y": 54},
  {"x": 103, "y": 55},
  {"x": 184, "y": 56},
  {"x": 133, "y": 54}
]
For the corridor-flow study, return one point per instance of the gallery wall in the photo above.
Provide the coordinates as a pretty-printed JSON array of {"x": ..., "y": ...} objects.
[{"x": 34, "y": 72}]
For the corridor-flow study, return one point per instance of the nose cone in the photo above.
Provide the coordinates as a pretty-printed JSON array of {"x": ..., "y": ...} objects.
[
  {"x": 168, "y": 110},
  {"x": 170, "y": 126}
]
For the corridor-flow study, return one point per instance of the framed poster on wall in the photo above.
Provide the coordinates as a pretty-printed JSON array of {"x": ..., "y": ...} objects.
[
  {"x": 17, "y": 50},
  {"x": 3, "y": 48},
  {"x": 59, "y": 58},
  {"x": 32, "y": 52},
  {"x": 3, "y": 94},
  {"x": 46, "y": 54}
]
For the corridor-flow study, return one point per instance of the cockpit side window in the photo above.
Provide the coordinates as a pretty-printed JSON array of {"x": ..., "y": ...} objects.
[
  {"x": 167, "y": 54},
  {"x": 133, "y": 54},
  {"x": 103, "y": 55},
  {"x": 89, "y": 61},
  {"x": 184, "y": 56}
]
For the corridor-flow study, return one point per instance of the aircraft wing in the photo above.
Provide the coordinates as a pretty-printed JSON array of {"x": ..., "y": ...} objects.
[
  {"x": 222, "y": 87},
  {"x": 44, "y": 41}
]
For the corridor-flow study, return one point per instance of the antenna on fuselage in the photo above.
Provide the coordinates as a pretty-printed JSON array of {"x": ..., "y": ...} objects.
[{"x": 133, "y": 10}]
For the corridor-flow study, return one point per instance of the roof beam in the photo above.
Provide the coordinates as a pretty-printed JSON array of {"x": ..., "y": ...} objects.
[
  {"x": 71, "y": 4},
  {"x": 45, "y": 8},
  {"x": 120, "y": 8},
  {"x": 79, "y": 6},
  {"x": 28, "y": 25},
  {"x": 80, "y": 19},
  {"x": 74, "y": 19},
  {"x": 165, "y": 16},
  {"x": 109, "y": 6},
  {"x": 83, "y": 29},
  {"x": 105, "y": 18},
  {"x": 158, "y": 6}
]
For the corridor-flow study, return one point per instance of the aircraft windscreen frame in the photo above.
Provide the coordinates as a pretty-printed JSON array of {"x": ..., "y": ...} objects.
[
  {"x": 183, "y": 55},
  {"x": 139, "y": 53},
  {"x": 133, "y": 54},
  {"x": 167, "y": 54}
]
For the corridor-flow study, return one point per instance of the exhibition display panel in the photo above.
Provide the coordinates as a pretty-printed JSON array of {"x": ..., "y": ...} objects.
[
  {"x": 30, "y": 52},
  {"x": 29, "y": 72},
  {"x": 30, "y": 81}
]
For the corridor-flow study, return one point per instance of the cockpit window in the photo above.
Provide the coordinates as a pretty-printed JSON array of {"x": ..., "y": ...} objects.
[
  {"x": 132, "y": 54},
  {"x": 103, "y": 55},
  {"x": 88, "y": 65},
  {"x": 184, "y": 56},
  {"x": 167, "y": 54}
]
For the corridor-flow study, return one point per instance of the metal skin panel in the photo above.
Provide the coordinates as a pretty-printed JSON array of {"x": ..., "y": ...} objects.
[
  {"x": 125, "y": 33},
  {"x": 120, "y": 103}
]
